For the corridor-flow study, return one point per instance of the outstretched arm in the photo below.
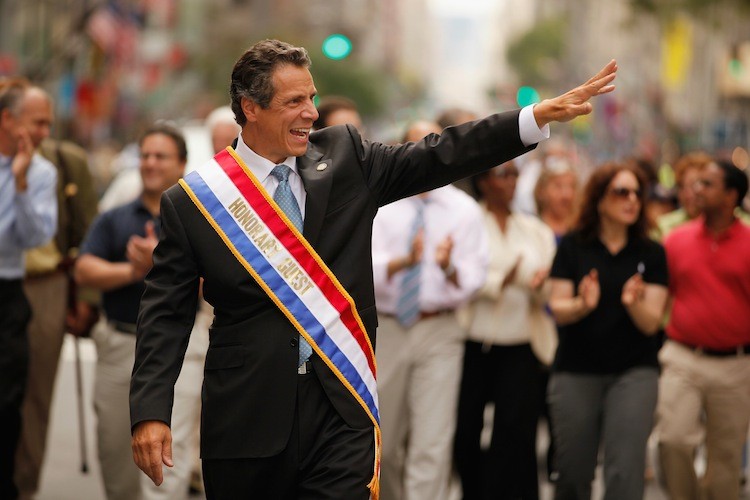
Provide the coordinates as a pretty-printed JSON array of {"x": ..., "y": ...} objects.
[{"x": 575, "y": 102}]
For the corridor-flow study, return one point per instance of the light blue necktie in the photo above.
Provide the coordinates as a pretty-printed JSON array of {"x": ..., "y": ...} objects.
[
  {"x": 407, "y": 308},
  {"x": 288, "y": 203}
]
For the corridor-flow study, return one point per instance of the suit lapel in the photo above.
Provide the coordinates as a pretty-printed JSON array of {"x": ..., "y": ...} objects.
[{"x": 318, "y": 187}]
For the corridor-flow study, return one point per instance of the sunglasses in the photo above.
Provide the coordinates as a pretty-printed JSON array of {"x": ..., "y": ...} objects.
[{"x": 624, "y": 193}]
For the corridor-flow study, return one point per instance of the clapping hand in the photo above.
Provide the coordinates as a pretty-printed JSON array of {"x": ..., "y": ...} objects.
[
  {"x": 140, "y": 251},
  {"x": 589, "y": 290},
  {"x": 22, "y": 160},
  {"x": 633, "y": 290}
]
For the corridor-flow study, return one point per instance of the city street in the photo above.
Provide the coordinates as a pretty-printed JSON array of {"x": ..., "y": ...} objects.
[{"x": 62, "y": 478}]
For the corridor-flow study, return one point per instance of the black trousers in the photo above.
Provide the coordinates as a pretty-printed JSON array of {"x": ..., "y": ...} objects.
[
  {"x": 15, "y": 314},
  {"x": 324, "y": 459},
  {"x": 508, "y": 376}
]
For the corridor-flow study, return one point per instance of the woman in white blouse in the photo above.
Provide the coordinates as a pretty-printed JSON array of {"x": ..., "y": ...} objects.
[{"x": 500, "y": 365}]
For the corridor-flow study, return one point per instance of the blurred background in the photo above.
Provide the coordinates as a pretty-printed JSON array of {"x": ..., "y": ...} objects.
[{"x": 116, "y": 65}]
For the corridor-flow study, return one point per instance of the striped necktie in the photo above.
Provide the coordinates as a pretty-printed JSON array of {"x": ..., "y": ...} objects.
[
  {"x": 284, "y": 197},
  {"x": 407, "y": 308}
]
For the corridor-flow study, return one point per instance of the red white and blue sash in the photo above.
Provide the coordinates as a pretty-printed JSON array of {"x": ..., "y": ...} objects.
[{"x": 283, "y": 263}]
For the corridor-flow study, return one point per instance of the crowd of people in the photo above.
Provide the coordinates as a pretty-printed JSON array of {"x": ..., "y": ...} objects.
[{"x": 525, "y": 291}]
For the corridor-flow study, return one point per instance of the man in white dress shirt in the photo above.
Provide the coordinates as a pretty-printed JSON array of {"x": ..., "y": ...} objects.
[{"x": 419, "y": 358}]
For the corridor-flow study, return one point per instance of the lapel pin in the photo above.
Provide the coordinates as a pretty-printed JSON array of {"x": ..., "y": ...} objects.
[{"x": 322, "y": 166}]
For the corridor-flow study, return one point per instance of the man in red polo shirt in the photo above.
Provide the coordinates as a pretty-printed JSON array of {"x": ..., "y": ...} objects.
[{"x": 706, "y": 359}]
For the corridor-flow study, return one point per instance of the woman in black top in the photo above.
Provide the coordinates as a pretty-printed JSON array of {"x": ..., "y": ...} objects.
[{"x": 609, "y": 289}]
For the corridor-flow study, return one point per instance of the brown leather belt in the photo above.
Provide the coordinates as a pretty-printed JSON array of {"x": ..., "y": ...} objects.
[
  {"x": 433, "y": 314},
  {"x": 740, "y": 350},
  {"x": 43, "y": 275}
]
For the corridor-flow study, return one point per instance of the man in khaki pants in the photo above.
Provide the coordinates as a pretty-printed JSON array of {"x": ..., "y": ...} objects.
[{"x": 706, "y": 360}]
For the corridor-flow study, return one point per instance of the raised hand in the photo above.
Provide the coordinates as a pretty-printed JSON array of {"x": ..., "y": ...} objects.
[
  {"x": 540, "y": 276},
  {"x": 589, "y": 290},
  {"x": 417, "y": 248},
  {"x": 633, "y": 290},
  {"x": 443, "y": 252},
  {"x": 511, "y": 276},
  {"x": 22, "y": 159},
  {"x": 140, "y": 251},
  {"x": 575, "y": 102}
]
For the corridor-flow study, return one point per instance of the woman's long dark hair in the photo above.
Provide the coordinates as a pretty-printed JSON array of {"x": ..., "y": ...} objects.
[{"x": 596, "y": 189}]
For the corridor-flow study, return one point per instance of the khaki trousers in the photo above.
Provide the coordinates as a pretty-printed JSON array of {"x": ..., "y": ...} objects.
[
  {"x": 48, "y": 299},
  {"x": 419, "y": 371},
  {"x": 115, "y": 355},
  {"x": 692, "y": 385}
]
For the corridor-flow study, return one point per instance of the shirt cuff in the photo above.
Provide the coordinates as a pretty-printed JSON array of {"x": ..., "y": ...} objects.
[{"x": 528, "y": 129}]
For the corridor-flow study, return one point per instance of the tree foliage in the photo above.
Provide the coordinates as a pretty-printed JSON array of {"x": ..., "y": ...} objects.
[
  {"x": 363, "y": 85},
  {"x": 532, "y": 54},
  {"x": 698, "y": 8}
]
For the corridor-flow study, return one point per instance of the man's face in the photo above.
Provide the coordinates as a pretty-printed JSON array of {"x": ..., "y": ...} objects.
[
  {"x": 161, "y": 166},
  {"x": 711, "y": 194},
  {"x": 686, "y": 192},
  {"x": 36, "y": 116},
  {"x": 283, "y": 129},
  {"x": 223, "y": 134},
  {"x": 343, "y": 116}
]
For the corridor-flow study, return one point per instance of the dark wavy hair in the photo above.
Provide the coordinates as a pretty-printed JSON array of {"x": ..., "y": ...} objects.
[
  {"x": 252, "y": 76},
  {"x": 589, "y": 219},
  {"x": 165, "y": 128},
  {"x": 735, "y": 179}
]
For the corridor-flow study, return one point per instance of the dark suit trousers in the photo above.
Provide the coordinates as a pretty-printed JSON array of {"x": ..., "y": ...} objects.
[
  {"x": 508, "y": 376},
  {"x": 324, "y": 459},
  {"x": 15, "y": 314}
]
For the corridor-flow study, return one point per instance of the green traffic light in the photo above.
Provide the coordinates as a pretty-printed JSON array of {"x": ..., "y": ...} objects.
[
  {"x": 735, "y": 68},
  {"x": 337, "y": 47},
  {"x": 526, "y": 96}
]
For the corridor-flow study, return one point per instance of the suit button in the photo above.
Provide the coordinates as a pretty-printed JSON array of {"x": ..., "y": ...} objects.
[{"x": 293, "y": 342}]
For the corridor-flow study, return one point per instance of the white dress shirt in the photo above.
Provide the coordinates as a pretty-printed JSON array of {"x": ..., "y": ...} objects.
[
  {"x": 261, "y": 168},
  {"x": 448, "y": 211}
]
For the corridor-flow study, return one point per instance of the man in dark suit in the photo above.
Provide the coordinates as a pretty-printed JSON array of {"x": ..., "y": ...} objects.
[{"x": 273, "y": 428}]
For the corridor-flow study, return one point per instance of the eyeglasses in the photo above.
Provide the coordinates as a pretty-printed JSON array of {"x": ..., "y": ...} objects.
[
  {"x": 624, "y": 192},
  {"x": 156, "y": 156}
]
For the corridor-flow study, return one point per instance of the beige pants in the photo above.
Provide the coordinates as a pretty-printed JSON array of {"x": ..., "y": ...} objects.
[
  {"x": 115, "y": 358},
  {"x": 419, "y": 371},
  {"x": 690, "y": 385},
  {"x": 48, "y": 299},
  {"x": 115, "y": 352}
]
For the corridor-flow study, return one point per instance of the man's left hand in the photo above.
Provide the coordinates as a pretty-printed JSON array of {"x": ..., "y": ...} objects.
[{"x": 575, "y": 102}]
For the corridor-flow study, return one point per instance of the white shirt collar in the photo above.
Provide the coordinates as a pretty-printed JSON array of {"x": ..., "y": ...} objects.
[{"x": 260, "y": 166}]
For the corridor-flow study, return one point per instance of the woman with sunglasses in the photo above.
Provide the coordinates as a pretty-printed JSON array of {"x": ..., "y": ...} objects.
[{"x": 609, "y": 289}]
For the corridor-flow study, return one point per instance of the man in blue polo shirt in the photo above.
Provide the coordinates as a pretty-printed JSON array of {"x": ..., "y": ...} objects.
[{"x": 115, "y": 257}]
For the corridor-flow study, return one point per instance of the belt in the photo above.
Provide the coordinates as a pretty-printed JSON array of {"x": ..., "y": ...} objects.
[
  {"x": 433, "y": 314},
  {"x": 121, "y": 326},
  {"x": 425, "y": 314},
  {"x": 305, "y": 368},
  {"x": 740, "y": 350},
  {"x": 43, "y": 275}
]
